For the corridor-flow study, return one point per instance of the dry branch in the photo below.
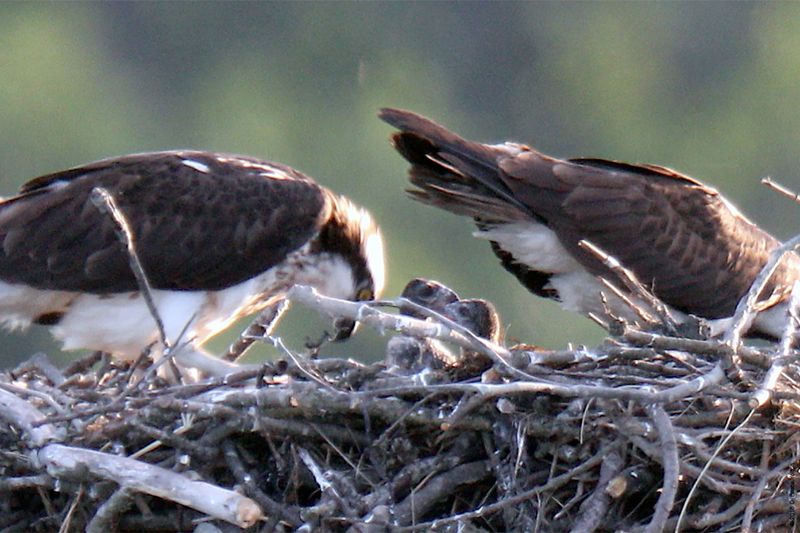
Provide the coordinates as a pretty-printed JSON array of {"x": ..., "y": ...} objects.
[{"x": 622, "y": 436}]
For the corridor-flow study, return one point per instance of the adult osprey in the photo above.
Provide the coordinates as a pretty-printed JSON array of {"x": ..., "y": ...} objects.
[
  {"x": 218, "y": 237},
  {"x": 681, "y": 238}
]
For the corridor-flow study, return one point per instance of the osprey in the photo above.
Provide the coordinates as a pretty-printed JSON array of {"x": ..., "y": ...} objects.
[
  {"x": 218, "y": 237},
  {"x": 682, "y": 239}
]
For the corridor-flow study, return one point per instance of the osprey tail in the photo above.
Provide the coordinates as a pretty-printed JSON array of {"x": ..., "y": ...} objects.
[{"x": 452, "y": 173}]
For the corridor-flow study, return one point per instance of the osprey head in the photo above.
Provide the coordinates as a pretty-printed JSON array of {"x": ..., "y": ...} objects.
[{"x": 353, "y": 241}]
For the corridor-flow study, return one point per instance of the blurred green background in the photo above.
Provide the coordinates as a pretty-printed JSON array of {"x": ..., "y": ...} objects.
[{"x": 712, "y": 89}]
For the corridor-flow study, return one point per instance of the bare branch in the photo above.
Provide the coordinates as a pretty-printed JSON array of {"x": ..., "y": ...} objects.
[
  {"x": 105, "y": 202},
  {"x": 782, "y": 189},
  {"x": 594, "y": 508},
  {"x": 66, "y": 461},
  {"x": 671, "y": 468},
  {"x": 23, "y": 415},
  {"x": 747, "y": 519},
  {"x": 780, "y": 361},
  {"x": 628, "y": 278},
  {"x": 259, "y": 329},
  {"x": 746, "y": 308}
]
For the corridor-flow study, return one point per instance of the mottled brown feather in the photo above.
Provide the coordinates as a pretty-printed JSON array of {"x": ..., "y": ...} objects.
[
  {"x": 194, "y": 230},
  {"x": 678, "y": 236}
]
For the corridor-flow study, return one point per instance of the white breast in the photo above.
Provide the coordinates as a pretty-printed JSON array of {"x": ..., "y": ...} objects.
[{"x": 123, "y": 325}]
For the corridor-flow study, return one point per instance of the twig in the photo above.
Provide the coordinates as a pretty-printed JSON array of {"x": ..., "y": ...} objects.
[
  {"x": 325, "y": 485},
  {"x": 83, "y": 364},
  {"x": 628, "y": 278},
  {"x": 670, "y": 465},
  {"x": 717, "y": 451},
  {"x": 699, "y": 347},
  {"x": 41, "y": 362},
  {"x": 107, "y": 515},
  {"x": 260, "y": 328},
  {"x": 67, "y": 522},
  {"x": 27, "y": 418},
  {"x": 782, "y": 189},
  {"x": 105, "y": 202},
  {"x": 595, "y": 507},
  {"x": 437, "y": 489},
  {"x": 710, "y": 480},
  {"x": 299, "y": 363},
  {"x": 779, "y": 363},
  {"x": 647, "y": 318},
  {"x": 746, "y": 308},
  {"x": 67, "y": 461},
  {"x": 9, "y": 484},
  {"x": 443, "y": 328},
  {"x": 189, "y": 355},
  {"x": 552, "y": 484},
  {"x": 488, "y": 391},
  {"x": 310, "y": 399},
  {"x": 288, "y": 514},
  {"x": 171, "y": 438},
  {"x": 747, "y": 519},
  {"x": 10, "y": 387}
]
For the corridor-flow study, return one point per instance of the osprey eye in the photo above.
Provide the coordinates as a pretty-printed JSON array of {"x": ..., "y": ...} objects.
[{"x": 364, "y": 294}]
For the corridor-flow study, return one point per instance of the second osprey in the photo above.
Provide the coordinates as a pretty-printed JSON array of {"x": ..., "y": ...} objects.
[{"x": 680, "y": 238}]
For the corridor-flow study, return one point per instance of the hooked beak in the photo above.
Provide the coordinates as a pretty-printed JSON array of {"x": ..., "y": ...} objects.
[{"x": 344, "y": 328}]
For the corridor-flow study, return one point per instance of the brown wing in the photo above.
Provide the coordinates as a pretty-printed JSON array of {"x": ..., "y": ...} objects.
[
  {"x": 680, "y": 238},
  {"x": 201, "y": 221},
  {"x": 693, "y": 249}
]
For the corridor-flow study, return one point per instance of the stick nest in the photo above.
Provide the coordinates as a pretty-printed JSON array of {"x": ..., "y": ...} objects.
[{"x": 645, "y": 432}]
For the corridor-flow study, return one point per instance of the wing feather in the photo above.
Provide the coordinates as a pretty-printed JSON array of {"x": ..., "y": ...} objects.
[
  {"x": 696, "y": 251},
  {"x": 193, "y": 230},
  {"x": 676, "y": 235}
]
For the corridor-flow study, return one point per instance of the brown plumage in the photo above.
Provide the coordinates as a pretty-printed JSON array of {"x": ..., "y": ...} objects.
[
  {"x": 681, "y": 238},
  {"x": 218, "y": 236},
  {"x": 54, "y": 237}
]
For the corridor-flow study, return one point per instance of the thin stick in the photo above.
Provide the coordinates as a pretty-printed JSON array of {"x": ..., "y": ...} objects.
[
  {"x": 782, "y": 189},
  {"x": 227, "y": 505},
  {"x": 27, "y": 418},
  {"x": 779, "y": 363},
  {"x": 745, "y": 309},
  {"x": 747, "y": 520},
  {"x": 107, "y": 515},
  {"x": 10, "y": 387},
  {"x": 261, "y": 327},
  {"x": 595, "y": 507},
  {"x": 443, "y": 328},
  {"x": 671, "y": 466},
  {"x": 640, "y": 311},
  {"x": 576, "y": 390},
  {"x": 104, "y": 201},
  {"x": 551, "y": 485},
  {"x": 631, "y": 283},
  {"x": 717, "y": 451}
]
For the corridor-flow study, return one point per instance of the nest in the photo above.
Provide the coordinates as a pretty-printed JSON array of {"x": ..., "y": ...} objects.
[{"x": 644, "y": 432}]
